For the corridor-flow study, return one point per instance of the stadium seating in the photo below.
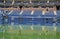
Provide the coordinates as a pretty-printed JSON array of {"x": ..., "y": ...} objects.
[
  {"x": 58, "y": 18},
  {"x": 1, "y": 19},
  {"x": 28, "y": 17},
  {"x": 49, "y": 14},
  {"x": 37, "y": 13},
  {"x": 58, "y": 12},
  {"x": 7, "y": 20},
  {"x": 58, "y": 22},
  {"x": 16, "y": 21},
  {"x": 1, "y": 2},
  {"x": 8, "y": 3},
  {"x": 48, "y": 21},
  {"x": 14, "y": 13},
  {"x": 26, "y": 11}
]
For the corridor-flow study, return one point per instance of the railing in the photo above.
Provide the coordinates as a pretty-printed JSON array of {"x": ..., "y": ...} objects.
[{"x": 29, "y": 27}]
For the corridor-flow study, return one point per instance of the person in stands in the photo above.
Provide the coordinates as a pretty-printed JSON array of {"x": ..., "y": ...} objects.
[{"x": 20, "y": 6}]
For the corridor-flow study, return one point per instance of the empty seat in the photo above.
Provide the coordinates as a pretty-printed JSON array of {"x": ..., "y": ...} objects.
[
  {"x": 8, "y": 2},
  {"x": 1, "y": 1},
  {"x": 37, "y": 13},
  {"x": 49, "y": 14},
  {"x": 27, "y": 21},
  {"x": 35, "y": 2},
  {"x": 7, "y": 20},
  {"x": 58, "y": 22},
  {"x": 26, "y": 13},
  {"x": 49, "y": 22},
  {"x": 52, "y": 1},
  {"x": 1, "y": 11},
  {"x": 16, "y": 21},
  {"x": 1, "y": 19},
  {"x": 46, "y": 21},
  {"x": 58, "y": 12},
  {"x": 36, "y": 21},
  {"x": 15, "y": 13},
  {"x": 18, "y": 2}
]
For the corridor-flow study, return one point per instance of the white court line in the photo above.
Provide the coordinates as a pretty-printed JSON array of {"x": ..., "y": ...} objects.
[
  {"x": 10, "y": 12},
  {"x": 21, "y": 12},
  {"x": 55, "y": 13},
  {"x": 32, "y": 12}
]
